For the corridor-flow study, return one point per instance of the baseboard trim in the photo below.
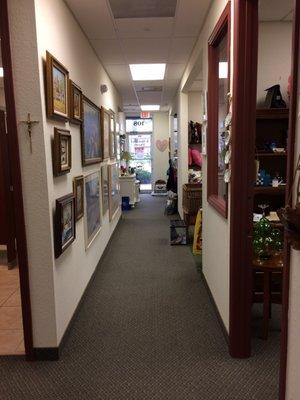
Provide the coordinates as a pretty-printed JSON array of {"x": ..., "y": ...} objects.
[
  {"x": 218, "y": 315},
  {"x": 54, "y": 353}
]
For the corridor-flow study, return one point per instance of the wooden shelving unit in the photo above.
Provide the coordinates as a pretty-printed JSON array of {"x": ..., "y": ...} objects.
[{"x": 271, "y": 127}]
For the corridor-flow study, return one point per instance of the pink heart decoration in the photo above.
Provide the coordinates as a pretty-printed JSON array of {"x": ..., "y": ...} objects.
[{"x": 162, "y": 145}]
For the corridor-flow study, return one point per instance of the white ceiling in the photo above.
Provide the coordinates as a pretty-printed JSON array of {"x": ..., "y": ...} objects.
[
  {"x": 119, "y": 42},
  {"x": 276, "y": 10}
]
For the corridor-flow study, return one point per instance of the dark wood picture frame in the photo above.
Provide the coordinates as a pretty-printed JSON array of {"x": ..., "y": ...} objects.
[
  {"x": 59, "y": 136},
  {"x": 75, "y": 91},
  {"x": 105, "y": 130},
  {"x": 78, "y": 182},
  {"x": 112, "y": 135},
  {"x": 61, "y": 204},
  {"x": 87, "y": 159},
  {"x": 221, "y": 29},
  {"x": 52, "y": 111}
]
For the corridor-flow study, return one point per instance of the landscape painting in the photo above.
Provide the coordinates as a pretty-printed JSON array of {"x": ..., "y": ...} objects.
[
  {"x": 105, "y": 189},
  {"x": 90, "y": 133},
  {"x": 92, "y": 207},
  {"x": 114, "y": 190}
]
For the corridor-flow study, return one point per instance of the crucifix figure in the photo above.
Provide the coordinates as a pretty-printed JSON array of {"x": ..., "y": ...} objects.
[{"x": 29, "y": 124}]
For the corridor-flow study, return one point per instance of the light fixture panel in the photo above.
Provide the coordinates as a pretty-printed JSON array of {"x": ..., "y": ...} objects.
[
  {"x": 147, "y": 72},
  {"x": 148, "y": 107}
]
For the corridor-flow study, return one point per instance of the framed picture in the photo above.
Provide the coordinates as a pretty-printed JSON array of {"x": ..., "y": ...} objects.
[
  {"x": 65, "y": 231},
  {"x": 57, "y": 88},
  {"x": 78, "y": 191},
  {"x": 76, "y": 111},
  {"x": 105, "y": 118},
  {"x": 114, "y": 190},
  {"x": 105, "y": 190},
  {"x": 90, "y": 133},
  {"x": 112, "y": 136},
  {"x": 92, "y": 207},
  {"x": 62, "y": 152}
]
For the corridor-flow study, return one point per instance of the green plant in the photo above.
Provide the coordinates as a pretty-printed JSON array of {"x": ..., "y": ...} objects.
[
  {"x": 126, "y": 156},
  {"x": 143, "y": 176}
]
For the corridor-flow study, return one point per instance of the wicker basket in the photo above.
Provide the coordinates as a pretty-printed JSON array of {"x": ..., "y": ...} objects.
[{"x": 192, "y": 198}]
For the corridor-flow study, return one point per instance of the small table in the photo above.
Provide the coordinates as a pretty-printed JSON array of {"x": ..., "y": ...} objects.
[{"x": 274, "y": 264}]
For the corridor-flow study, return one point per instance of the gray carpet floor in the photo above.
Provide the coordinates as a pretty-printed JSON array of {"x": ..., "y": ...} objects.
[{"x": 146, "y": 330}]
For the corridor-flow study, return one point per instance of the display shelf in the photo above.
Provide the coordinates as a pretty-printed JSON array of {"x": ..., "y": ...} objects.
[
  {"x": 270, "y": 190},
  {"x": 272, "y": 113},
  {"x": 266, "y": 154}
]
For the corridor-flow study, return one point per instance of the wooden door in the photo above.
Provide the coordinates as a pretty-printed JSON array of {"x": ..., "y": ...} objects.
[{"x": 7, "y": 231}]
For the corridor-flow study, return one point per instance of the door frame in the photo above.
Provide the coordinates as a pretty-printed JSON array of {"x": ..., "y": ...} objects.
[
  {"x": 243, "y": 120},
  {"x": 16, "y": 180}
]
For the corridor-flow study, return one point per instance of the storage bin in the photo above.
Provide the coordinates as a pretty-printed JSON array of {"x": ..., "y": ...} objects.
[
  {"x": 125, "y": 204},
  {"x": 192, "y": 198}
]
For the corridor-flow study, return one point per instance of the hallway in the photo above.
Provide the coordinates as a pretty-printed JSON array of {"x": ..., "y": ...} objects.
[{"x": 146, "y": 330}]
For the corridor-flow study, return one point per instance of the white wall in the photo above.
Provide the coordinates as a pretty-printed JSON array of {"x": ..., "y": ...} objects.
[
  {"x": 56, "y": 285},
  {"x": 195, "y": 106},
  {"x": 274, "y": 57},
  {"x": 215, "y": 228},
  {"x": 160, "y": 159},
  {"x": 293, "y": 361}
]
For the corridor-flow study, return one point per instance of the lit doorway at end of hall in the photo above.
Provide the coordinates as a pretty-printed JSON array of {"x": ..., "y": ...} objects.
[{"x": 140, "y": 148}]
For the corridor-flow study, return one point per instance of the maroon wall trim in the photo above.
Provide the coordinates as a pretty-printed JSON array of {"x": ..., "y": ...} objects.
[
  {"x": 16, "y": 178},
  {"x": 242, "y": 177},
  {"x": 223, "y": 24},
  {"x": 290, "y": 172}
]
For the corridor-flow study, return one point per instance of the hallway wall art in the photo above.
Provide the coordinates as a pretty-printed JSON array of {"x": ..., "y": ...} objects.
[
  {"x": 91, "y": 133},
  {"x": 65, "y": 231},
  {"x": 105, "y": 126},
  {"x": 57, "y": 83},
  {"x": 114, "y": 190},
  {"x": 92, "y": 207},
  {"x": 104, "y": 189}
]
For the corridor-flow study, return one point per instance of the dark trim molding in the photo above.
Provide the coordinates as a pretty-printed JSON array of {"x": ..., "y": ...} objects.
[
  {"x": 222, "y": 27},
  {"x": 242, "y": 176},
  {"x": 218, "y": 315},
  {"x": 290, "y": 173},
  {"x": 54, "y": 353},
  {"x": 15, "y": 170}
]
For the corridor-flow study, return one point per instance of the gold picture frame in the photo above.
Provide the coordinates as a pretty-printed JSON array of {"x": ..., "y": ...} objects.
[
  {"x": 57, "y": 89},
  {"x": 62, "y": 152}
]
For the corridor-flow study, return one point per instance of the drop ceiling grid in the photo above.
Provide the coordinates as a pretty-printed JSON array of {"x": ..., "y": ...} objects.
[{"x": 120, "y": 42}]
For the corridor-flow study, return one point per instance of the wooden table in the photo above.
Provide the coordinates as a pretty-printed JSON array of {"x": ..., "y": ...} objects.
[{"x": 274, "y": 264}]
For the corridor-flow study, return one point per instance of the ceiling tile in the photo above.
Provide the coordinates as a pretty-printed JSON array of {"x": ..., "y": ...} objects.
[
  {"x": 275, "y": 10},
  {"x": 190, "y": 16},
  {"x": 145, "y": 50},
  {"x": 108, "y": 51},
  {"x": 144, "y": 27},
  {"x": 119, "y": 74},
  {"x": 143, "y": 9},
  {"x": 149, "y": 98},
  {"x": 171, "y": 83},
  {"x": 94, "y": 17},
  {"x": 181, "y": 49},
  {"x": 175, "y": 71}
]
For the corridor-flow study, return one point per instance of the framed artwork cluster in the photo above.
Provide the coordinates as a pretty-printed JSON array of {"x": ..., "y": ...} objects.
[{"x": 96, "y": 193}]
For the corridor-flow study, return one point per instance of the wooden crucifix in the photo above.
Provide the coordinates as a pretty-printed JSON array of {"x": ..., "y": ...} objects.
[{"x": 29, "y": 124}]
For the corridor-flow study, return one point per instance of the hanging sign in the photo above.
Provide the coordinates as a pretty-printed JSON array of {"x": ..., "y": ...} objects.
[
  {"x": 139, "y": 125},
  {"x": 145, "y": 114}
]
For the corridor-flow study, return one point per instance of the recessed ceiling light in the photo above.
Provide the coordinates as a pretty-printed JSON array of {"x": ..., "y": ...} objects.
[
  {"x": 147, "y": 72},
  {"x": 1, "y": 72},
  {"x": 147, "y": 107}
]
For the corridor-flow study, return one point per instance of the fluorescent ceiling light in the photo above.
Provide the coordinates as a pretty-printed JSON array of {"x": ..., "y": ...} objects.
[
  {"x": 223, "y": 70},
  {"x": 1, "y": 72},
  {"x": 147, "y": 72},
  {"x": 147, "y": 107}
]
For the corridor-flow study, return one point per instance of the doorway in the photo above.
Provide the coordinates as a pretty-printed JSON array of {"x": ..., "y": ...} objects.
[
  {"x": 140, "y": 148},
  {"x": 14, "y": 281},
  {"x": 244, "y": 119}
]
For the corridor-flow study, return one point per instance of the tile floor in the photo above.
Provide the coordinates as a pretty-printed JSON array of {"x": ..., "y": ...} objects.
[{"x": 11, "y": 329}]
